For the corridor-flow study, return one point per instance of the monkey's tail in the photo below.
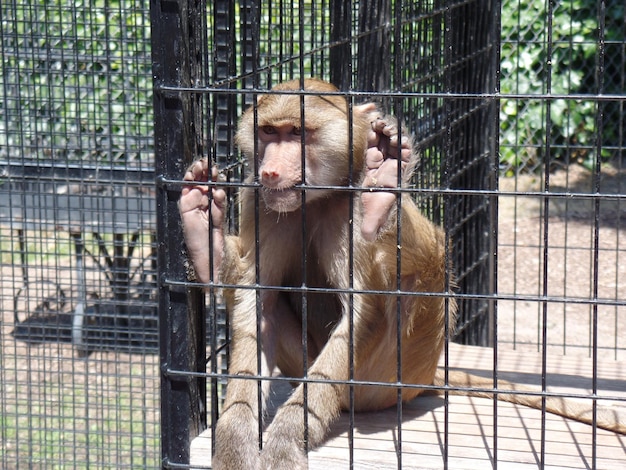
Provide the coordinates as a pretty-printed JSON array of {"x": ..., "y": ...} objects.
[{"x": 606, "y": 418}]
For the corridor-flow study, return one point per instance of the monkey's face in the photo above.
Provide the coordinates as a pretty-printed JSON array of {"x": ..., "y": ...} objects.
[
  {"x": 301, "y": 144},
  {"x": 293, "y": 160}
]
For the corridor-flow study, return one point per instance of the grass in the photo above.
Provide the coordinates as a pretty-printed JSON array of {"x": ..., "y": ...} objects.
[{"x": 101, "y": 412}]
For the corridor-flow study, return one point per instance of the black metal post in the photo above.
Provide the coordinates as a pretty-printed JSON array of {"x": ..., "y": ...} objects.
[
  {"x": 176, "y": 36},
  {"x": 470, "y": 67},
  {"x": 340, "y": 53},
  {"x": 373, "y": 70}
]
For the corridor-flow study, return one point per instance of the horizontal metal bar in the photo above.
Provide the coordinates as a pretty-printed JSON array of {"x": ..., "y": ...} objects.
[
  {"x": 175, "y": 90},
  {"x": 84, "y": 173},
  {"x": 352, "y": 382}
]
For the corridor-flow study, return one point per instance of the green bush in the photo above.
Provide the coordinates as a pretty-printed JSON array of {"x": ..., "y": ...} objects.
[
  {"x": 558, "y": 55},
  {"x": 76, "y": 80}
]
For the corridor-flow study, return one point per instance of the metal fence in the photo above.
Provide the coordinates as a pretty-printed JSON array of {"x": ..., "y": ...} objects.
[
  {"x": 518, "y": 112},
  {"x": 79, "y": 381},
  {"x": 502, "y": 108},
  {"x": 204, "y": 81}
]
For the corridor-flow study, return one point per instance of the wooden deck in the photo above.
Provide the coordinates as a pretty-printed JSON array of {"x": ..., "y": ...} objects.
[{"x": 471, "y": 444}]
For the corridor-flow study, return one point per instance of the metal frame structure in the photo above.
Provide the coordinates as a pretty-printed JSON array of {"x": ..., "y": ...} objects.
[{"x": 210, "y": 59}]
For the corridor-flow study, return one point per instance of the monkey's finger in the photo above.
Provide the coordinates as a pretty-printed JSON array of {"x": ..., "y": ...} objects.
[
  {"x": 406, "y": 154},
  {"x": 218, "y": 208},
  {"x": 216, "y": 174},
  {"x": 373, "y": 138},
  {"x": 384, "y": 135},
  {"x": 405, "y": 141},
  {"x": 197, "y": 171},
  {"x": 373, "y": 158},
  {"x": 376, "y": 210},
  {"x": 390, "y": 130},
  {"x": 379, "y": 124}
]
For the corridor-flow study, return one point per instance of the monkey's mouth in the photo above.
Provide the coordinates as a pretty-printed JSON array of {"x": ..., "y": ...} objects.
[{"x": 283, "y": 199}]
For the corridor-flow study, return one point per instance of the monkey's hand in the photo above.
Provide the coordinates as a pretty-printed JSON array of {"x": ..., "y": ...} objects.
[
  {"x": 194, "y": 206},
  {"x": 386, "y": 150}
]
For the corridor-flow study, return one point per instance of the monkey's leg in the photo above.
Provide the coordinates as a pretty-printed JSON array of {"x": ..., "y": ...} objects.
[
  {"x": 284, "y": 448},
  {"x": 194, "y": 212},
  {"x": 386, "y": 150},
  {"x": 237, "y": 431}
]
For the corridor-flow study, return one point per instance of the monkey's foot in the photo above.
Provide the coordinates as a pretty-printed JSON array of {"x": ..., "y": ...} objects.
[
  {"x": 236, "y": 440},
  {"x": 286, "y": 456},
  {"x": 385, "y": 151},
  {"x": 195, "y": 207}
]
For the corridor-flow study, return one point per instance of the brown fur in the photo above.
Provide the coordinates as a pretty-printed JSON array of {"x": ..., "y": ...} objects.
[
  {"x": 280, "y": 263},
  {"x": 331, "y": 221}
]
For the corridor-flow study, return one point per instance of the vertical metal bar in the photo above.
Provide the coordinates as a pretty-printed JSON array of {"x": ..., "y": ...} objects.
[
  {"x": 250, "y": 18},
  {"x": 223, "y": 109},
  {"x": 600, "y": 68},
  {"x": 181, "y": 312},
  {"x": 546, "y": 218},
  {"x": 341, "y": 76},
  {"x": 493, "y": 124},
  {"x": 446, "y": 86},
  {"x": 373, "y": 71},
  {"x": 340, "y": 54},
  {"x": 351, "y": 207},
  {"x": 397, "y": 106},
  {"x": 304, "y": 284}
]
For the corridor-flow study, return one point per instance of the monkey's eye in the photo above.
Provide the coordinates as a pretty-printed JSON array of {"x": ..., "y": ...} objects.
[
  {"x": 268, "y": 129},
  {"x": 296, "y": 130}
]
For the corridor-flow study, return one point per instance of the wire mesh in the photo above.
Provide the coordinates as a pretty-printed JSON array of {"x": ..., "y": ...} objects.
[
  {"x": 519, "y": 119},
  {"x": 517, "y": 112},
  {"x": 79, "y": 371},
  {"x": 562, "y": 133}
]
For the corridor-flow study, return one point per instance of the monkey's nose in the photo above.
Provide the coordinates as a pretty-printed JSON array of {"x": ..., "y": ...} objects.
[{"x": 270, "y": 178}]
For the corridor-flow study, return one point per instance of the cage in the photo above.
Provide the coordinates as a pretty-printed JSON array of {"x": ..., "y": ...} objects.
[
  {"x": 476, "y": 84},
  {"x": 517, "y": 109},
  {"x": 79, "y": 329}
]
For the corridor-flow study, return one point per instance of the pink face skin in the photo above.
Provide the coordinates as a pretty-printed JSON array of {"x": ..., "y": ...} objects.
[{"x": 281, "y": 168}]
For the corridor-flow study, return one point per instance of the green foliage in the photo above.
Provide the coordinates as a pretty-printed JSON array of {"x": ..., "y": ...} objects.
[
  {"x": 555, "y": 54},
  {"x": 76, "y": 80}
]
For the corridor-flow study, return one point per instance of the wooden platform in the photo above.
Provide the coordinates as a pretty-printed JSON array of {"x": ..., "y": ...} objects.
[{"x": 420, "y": 444}]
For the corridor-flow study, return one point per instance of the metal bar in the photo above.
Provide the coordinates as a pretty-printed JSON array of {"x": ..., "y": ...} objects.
[
  {"x": 78, "y": 316},
  {"x": 181, "y": 312}
]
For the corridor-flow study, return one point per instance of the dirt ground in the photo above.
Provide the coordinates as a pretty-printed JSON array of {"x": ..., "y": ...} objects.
[
  {"x": 62, "y": 409},
  {"x": 572, "y": 227}
]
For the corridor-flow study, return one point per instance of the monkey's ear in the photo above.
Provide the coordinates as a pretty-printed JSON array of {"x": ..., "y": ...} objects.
[
  {"x": 369, "y": 112},
  {"x": 366, "y": 108}
]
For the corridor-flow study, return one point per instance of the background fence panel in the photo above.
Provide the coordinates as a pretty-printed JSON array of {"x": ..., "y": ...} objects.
[{"x": 79, "y": 383}]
